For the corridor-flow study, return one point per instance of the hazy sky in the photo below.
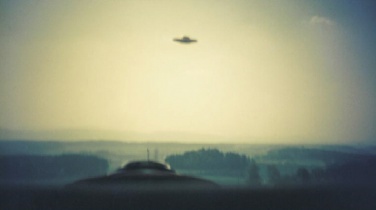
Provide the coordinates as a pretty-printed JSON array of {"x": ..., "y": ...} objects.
[{"x": 268, "y": 71}]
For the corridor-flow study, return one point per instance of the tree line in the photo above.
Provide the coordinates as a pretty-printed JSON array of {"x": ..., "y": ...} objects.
[
  {"x": 41, "y": 167},
  {"x": 349, "y": 171},
  {"x": 210, "y": 160}
]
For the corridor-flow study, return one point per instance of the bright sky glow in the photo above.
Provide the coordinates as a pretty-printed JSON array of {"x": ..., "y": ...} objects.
[{"x": 285, "y": 71}]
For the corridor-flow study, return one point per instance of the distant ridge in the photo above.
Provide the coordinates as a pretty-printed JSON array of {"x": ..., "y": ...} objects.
[{"x": 88, "y": 134}]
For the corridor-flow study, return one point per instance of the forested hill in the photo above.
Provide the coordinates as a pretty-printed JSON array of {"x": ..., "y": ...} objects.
[
  {"x": 26, "y": 169},
  {"x": 209, "y": 160},
  {"x": 286, "y": 166},
  {"x": 313, "y": 154}
]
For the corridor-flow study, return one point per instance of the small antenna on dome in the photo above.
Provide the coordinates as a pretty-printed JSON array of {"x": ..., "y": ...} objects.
[{"x": 148, "y": 153}]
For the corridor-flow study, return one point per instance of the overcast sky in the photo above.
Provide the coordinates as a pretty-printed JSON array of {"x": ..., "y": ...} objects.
[{"x": 282, "y": 71}]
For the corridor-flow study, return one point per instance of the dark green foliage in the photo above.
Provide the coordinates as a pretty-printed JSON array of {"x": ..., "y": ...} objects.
[
  {"x": 254, "y": 178},
  {"x": 318, "y": 175},
  {"x": 280, "y": 165},
  {"x": 210, "y": 160},
  {"x": 33, "y": 167},
  {"x": 273, "y": 175},
  {"x": 303, "y": 176},
  {"x": 353, "y": 172}
]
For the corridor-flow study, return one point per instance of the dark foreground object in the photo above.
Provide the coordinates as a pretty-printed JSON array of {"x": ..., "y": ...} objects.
[
  {"x": 323, "y": 198},
  {"x": 144, "y": 175}
]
